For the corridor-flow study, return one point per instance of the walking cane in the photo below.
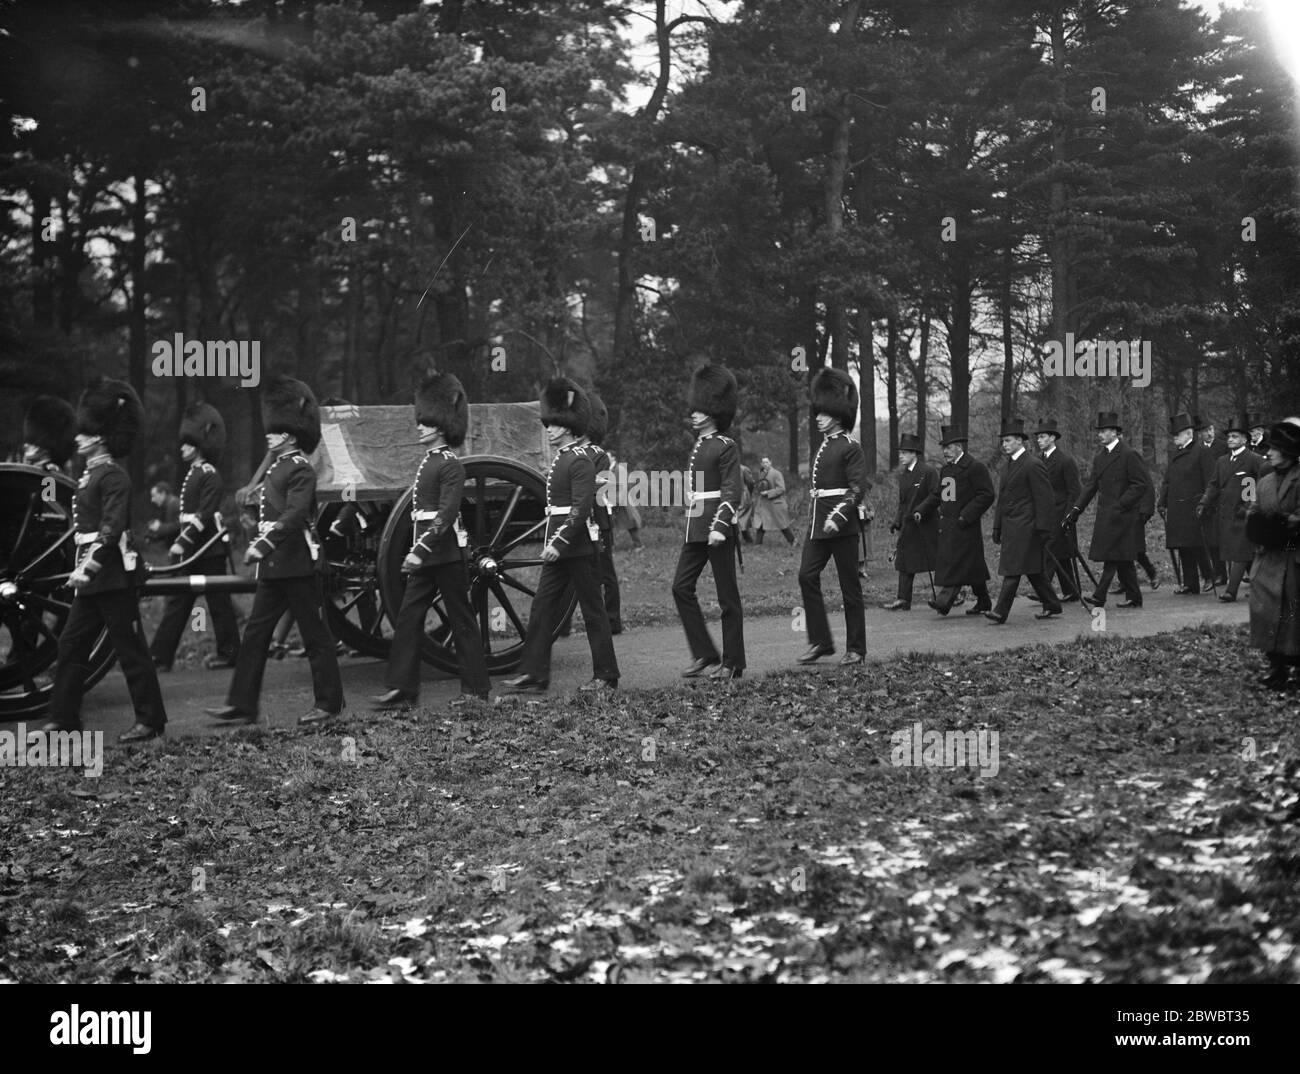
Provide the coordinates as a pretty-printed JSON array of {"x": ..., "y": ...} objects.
[{"x": 1084, "y": 602}]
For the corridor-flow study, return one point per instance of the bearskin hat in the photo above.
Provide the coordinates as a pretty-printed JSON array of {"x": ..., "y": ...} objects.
[
  {"x": 714, "y": 392},
  {"x": 599, "y": 427},
  {"x": 565, "y": 402},
  {"x": 51, "y": 424},
  {"x": 288, "y": 406},
  {"x": 834, "y": 393},
  {"x": 110, "y": 409},
  {"x": 441, "y": 402},
  {"x": 202, "y": 426}
]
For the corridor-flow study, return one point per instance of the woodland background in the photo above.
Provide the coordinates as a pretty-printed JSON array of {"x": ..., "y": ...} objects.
[{"x": 622, "y": 243}]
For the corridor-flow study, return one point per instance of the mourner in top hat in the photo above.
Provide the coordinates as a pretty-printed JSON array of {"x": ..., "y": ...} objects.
[
  {"x": 917, "y": 520},
  {"x": 203, "y": 438},
  {"x": 1063, "y": 476},
  {"x": 965, "y": 493},
  {"x": 286, "y": 558},
  {"x": 1022, "y": 524},
  {"x": 104, "y": 579},
  {"x": 435, "y": 563},
  {"x": 1227, "y": 497},
  {"x": 1206, "y": 434},
  {"x": 1189, "y": 473},
  {"x": 1273, "y": 525},
  {"x": 838, "y": 484},
  {"x": 568, "y": 559},
  {"x": 713, "y": 495},
  {"x": 49, "y": 434},
  {"x": 1258, "y": 434},
  {"x": 1120, "y": 482}
]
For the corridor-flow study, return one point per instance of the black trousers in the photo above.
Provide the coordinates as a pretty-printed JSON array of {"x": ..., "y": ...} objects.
[
  {"x": 302, "y": 598},
  {"x": 118, "y": 613},
  {"x": 608, "y": 578},
  {"x": 948, "y": 594},
  {"x": 422, "y": 587},
  {"x": 1128, "y": 581},
  {"x": 816, "y": 554},
  {"x": 578, "y": 573},
  {"x": 1191, "y": 560},
  {"x": 1236, "y": 572},
  {"x": 1042, "y": 589},
  {"x": 176, "y": 611},
  {"x": 690, "y": 564},
  {"x": 905, "y": 582},
  {"x": 1144, "y": 561}
]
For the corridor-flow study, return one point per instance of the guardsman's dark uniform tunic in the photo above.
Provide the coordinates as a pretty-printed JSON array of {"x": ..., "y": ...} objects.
[
  {"x": 839, "y": 483},
  {"x": 101, "y": 517},
  {"x": 201, "y": 493},
  {"x": 570, "y": 499},
  {"x": 605, "y": 571},
  {"x": 287, "y": 580},
  {"x": 438, "y": 542},
  {"x": 713, "y": 495}
]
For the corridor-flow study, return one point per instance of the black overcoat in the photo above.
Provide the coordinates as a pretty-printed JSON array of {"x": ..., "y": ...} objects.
[{"x": 965, "y": 493}]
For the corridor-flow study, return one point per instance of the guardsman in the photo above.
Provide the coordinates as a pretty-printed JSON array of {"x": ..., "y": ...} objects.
[
  {"x": 965, "y": 493},
  {"x": 1228, "y": 496},
  {"x": 203, "y": 437},
  {"x": 1273, "y": 526},
  {"x": 713, "y": 489},
  {"x": 107, "y": 566},
  {"x": 567, "y": 556},
  {"x": 436, "y": 562},
  {"x": 1189, "y": 473},
  {"x": 1022, "y": 525},
  {"x": 1063, "y": 474},
  {"x": 839, "y": 483},
  {"x": 1206, "y": 434},
  {"x": 286, "y": 557},
  {"x": 917, "y": 520},
  {"x": 49, "y": 434},
  {"x": 1120, "y": 482},
  {"x": 1258, "y": 434}
]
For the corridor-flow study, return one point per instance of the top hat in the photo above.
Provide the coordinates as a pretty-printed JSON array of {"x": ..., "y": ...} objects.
[
  {"x": 1048, "y": 425},
  {"x": 1256, "y": 420},
  {"x": 1108, "y": 419},
  {"x": 1285, "y": 436},
  {"x": 289, "y": 406},
  {"x": 1179, "y": 422},
  {"x": 714, "y": 392},
  {"x": 834, "y": 394},
  {"x": 1200, "y": 422},
  {"x": 441, "y": 403},
  {"x": 51, "y": 424},
  {"x": 1238, "y": 423},
  {"x": 202, "y": 426},
  {"x": 1014, "y": 427},
  {"x": 110, "y": 409},
  {"x": 911, "y": 442},
  {"x": 564, "y": 402},
  {"x": 952, "y": 434}
]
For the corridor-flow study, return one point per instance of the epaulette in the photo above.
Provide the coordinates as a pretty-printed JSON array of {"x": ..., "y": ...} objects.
[{"x": 207, "y": 468}]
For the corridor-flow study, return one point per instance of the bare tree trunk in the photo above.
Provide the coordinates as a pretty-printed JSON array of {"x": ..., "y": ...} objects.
[
  {"x": 891, "y": 387},
  {"x": 1008, "y": 350},
  {"x": 1058, "y": 242},
  {"x": 137, "y": 344},
  {"x": 867, "y": 390},
  {"x": 923, "y": 378}
]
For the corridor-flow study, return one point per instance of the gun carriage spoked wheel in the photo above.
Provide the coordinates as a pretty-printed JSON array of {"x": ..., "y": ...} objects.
[
  {"x": 36, "y": 553},
  {"x": 504, "y": 515},
  {"x": 350, "y": 536}
]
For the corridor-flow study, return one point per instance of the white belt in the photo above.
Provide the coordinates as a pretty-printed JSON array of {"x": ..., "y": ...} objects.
[
  {"x": 192, "y": 520},
  {"x": 706, "y": 495},
  {"x": 85, "y": 538},
  {"x": 558, "y": 510},
  {"x": 424, "y": 516},
  {"x": 821, "y": 494}
]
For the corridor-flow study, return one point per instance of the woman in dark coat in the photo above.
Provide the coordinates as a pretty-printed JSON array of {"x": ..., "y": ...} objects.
[{"x": 1273, "y": 523}]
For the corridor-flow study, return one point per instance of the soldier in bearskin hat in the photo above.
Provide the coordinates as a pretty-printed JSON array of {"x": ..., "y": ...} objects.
[
  {"x": 1271, "y": 524},
  {"x": 1063, "y": 475},
  {"x": 286, "y": 556},
  {"x": 714, "y": 490},
  {"x": 203, "y": 438},
  {"x": 1189, "y": 473},
  {"x": 105, "y": 575},
  {"x": 965, "y": 493},
  {"x": 436, "y": 562},
  {"x": 839, "y": 483},
  {"x": 1022, "y": 525},
  {"x": 916, "y": 521},
  {"x": 571, "y": 541},
  {"x": 1121, "y": 484},
  {"x": 49, "y": 434},
  {"x": 1228, "y": 494}
]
